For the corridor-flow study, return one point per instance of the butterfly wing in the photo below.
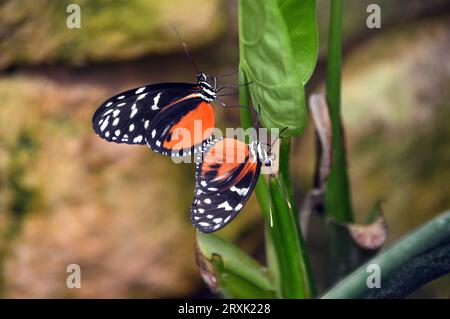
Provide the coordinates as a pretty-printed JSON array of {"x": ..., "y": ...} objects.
[
  {"x": 126, "y": 117},
  {"x": 183, "y": 127},
  {"x": 225, "y": 179}
]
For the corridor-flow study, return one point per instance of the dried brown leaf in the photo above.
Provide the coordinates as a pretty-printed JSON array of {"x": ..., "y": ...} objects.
[
  {"x": 319, "y": 112},
  {"x": 371, "y": 236},
  {"x": 314, "y": 199}
]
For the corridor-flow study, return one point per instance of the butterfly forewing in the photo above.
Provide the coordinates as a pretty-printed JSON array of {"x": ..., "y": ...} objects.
[
  {"x": 126, "y": 117},
  {"x": 224, "y": 183}
]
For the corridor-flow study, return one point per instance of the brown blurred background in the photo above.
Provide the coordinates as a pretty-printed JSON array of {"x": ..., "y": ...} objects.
[{"x": 121, "y": 212}]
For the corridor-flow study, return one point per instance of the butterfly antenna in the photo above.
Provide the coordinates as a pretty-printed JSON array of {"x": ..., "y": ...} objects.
[
  {"x": 228, "y": 74},
  {"x": 281, "y": 132},
  {"x": 256, "y": 122},
  {"x": 186, "y": 50},
  {"x": 278, "y": 137}
]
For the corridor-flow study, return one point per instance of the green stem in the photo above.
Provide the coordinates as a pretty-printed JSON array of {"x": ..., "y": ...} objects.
[
  {"x": 338, "y": 194},
  {"x": 434, "y": 234},
  {"x": 285, "y": 178},
  {"x": 415, "y": 273},
  {"x": 293, "y": 270},
  {"x": 337, "y": 198},
  {"x": 285, "y": 151}
]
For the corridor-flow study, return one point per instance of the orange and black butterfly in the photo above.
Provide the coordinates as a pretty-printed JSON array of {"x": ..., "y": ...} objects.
[
  {"x": 226, "y": 174},
  {"x": 152, "y": 114}
]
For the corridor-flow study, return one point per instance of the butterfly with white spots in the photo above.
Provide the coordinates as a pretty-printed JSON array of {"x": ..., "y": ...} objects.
[
  {"x": 154, "y": 114},
  {"x": 226, "y": 175}
]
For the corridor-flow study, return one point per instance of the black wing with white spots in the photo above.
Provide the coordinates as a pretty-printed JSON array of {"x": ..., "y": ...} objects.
[
  {"x": 217, "y": 202},
  {"x": 126, "y": 117}
]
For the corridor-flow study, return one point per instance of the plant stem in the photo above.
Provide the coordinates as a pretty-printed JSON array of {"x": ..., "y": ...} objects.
[
  {"x": 285, "y": 151},
  {"x": 415, "y": 273},
  {"x": 285, "y": 177},
  {"x": 434, "y": 234},
  {"x": 337, "y": 198},
  {"x": 338, "y": 194},
  {"x": 294, "y": 276},
  {"x": 287, "y": 258}
]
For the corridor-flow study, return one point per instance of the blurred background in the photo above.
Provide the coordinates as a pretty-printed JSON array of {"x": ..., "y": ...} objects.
[{"x": 121, "y": 212}]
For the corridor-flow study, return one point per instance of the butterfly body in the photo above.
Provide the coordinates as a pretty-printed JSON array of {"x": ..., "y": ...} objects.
[{"x": 151, "y": 115}]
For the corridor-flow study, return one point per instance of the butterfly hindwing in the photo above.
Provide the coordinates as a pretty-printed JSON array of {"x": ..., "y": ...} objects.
[
  {"x": 126, "y": 117},
  {"x": 223, "y": 184},
  {"x": 181, "y": 128}
]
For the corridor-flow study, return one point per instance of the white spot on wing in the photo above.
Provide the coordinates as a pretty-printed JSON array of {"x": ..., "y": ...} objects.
[
  {"x": 140, "y": 97},
  {"x": 133, "y": 111},
  {"x": 240, "y": 191},
  {"x": 238, "y": 207},
  {"x": 226, "y": 206},
  {"x": 105, "y": 124},
  {"x": 156, "y": 101},
  {"x": 137, "y": 139},
  {"x": 204, "y": 224},
  {"x": 140, "y": 90},
  {"x": 107, "y": 112}
]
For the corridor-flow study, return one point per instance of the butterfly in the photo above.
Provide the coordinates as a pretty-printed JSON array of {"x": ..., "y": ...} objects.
[
  {"x": 226, "y": 174},
  {"x": 160, "y": 115}
]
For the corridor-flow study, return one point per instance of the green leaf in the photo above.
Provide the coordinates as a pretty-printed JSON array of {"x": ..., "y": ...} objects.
[
  {"x": 300, "y": 18},
  {"x": 278, "y": 53},
  {"x": 231, "y": 270}
]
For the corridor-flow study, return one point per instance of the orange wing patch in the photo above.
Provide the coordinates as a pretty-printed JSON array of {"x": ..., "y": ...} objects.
[
  {"x": 226, "y": 156},
  {"x": 195, "y": 127}
]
